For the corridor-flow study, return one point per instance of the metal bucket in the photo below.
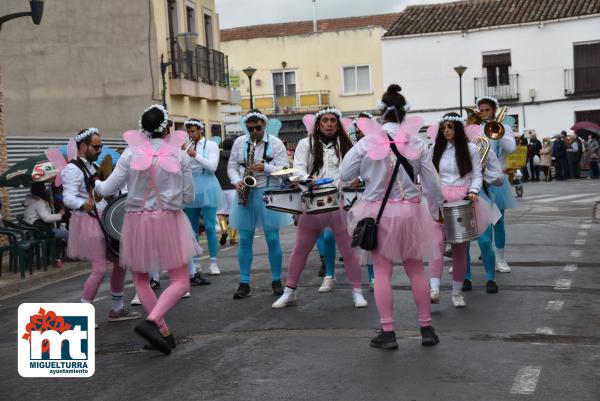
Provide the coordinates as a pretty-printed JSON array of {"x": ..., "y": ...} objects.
[{"x": 460, "y": 225}]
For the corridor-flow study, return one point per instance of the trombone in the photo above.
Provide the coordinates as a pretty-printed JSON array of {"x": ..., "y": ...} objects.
[{"x": 493, "y": 128}]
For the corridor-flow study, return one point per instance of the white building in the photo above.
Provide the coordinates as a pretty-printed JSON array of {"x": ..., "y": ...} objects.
[{"x": 540, "y": 57}]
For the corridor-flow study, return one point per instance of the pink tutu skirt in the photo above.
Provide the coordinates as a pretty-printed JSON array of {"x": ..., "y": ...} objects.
[
  {"x": 486, "y": 212},
  {"x": 318, "y": 222},
  {"x": 85, "y": 235},
  {"x": 404, "y": 231},
  {"x": 157, "y": 240}
]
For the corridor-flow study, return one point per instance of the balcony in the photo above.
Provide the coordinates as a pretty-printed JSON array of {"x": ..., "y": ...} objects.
[
  {"x": 301, "y": 102},
  {"x": 505, "y": 88},
  {"x": 582, "y": 81},
  {"x": 200, "y": 73}
]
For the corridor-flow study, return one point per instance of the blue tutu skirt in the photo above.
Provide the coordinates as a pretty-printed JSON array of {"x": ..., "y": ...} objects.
[
  {"x": 255, "y": 213},
  {"x": 503, "y": 195},
  {"x": 208, "y": 191}
]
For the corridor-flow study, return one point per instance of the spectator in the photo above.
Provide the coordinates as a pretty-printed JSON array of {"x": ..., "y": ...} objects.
[
  {"x": 574, "y": 152},
  {"x": 559, "y": 151},
  {"x": 546, "y": 159},
  {"x": 533, "y": 157},
  {"x": 228, "y": 194},
  {"x": 593, "y": 150},
  {"x": 37, "y": 210}
]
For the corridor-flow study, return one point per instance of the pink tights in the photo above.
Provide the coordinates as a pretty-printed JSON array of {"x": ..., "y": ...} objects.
[
  {"x": 459, "y": 257},
  {"x": 383, "y": 290},
  {"x": 158, "y": 308},
  {"x": 97, "y": 256}
]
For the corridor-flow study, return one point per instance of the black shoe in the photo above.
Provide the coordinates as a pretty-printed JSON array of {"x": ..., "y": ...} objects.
[
  {"x": 223, "y": 239},
  {"x": 491, "y": 287},
  {"x": 277, "y": 288},
  {"x": 428, "y": 336},
  {"x": 243, "y": 291},
  {"x": 149, "y": 331},
  {"x": 467, "y": 285},
  {"x": 448, "y": 254},
  {"x": 155, "y": 285},
  {"x": 169, "y": 339},
  {"x": 322, "y": 270},
  {"x": 198, "y": 280},
  {"x": 341, "y": 259},
  {"x": 384, "y": 340}
]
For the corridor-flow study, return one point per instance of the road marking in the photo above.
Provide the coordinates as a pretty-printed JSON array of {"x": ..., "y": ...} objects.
[
  {"x": 582, "y": 233},
  {"x": 555, "y": 305},
  {"x": 563, "y": 284},
  {"x": 588, "y": 200},
  {"x": 565, "y": 197},
  {"x": 576, "y": 253},
  {"x": 526, "y": 380},
  {"x": 100, "y": 298},
  {"x": 571, "y": 267},
  {"x": 579, "y": 242},
  {"x": 585, "y": 226},
  {"x": 586, "y": 221},
  {"x": 544, "y": 330}
]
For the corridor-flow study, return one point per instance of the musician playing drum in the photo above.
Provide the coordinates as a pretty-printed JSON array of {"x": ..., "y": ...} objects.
[
  {"x": 319, "y": 155},
  {"x": 256, "y": 154},
  {"x": 86, "y": 240}
]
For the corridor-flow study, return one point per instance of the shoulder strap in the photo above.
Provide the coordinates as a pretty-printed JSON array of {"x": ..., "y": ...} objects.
[
  {"x": 388, "y": 191},
  {"x": 87, "y": 175},
  {"x": 405, "y": 163}
]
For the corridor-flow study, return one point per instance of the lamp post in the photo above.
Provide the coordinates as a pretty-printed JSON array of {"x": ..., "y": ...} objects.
[
  {"x": 460, "y": 70},
  {"x": 37, "y": 10},
  {"x": 249, "y": 71},
  {"x": 185, "y": 41}
]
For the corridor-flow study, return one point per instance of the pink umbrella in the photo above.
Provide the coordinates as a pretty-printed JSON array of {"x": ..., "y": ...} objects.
[{"x": 587, "y": 126}]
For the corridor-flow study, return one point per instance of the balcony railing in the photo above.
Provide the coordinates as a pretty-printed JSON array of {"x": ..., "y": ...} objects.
[
  {"x": 201, "y": 64},
  {"x": 300, "y": 102},
  {"x": 582, "y": 81},
  {"x": 507, "y": 90}
]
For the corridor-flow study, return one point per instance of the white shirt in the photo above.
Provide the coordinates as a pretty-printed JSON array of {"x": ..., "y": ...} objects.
[
  {"x": 503, "y": 146},
  {"x": 375, "y": 174},
  {"x": 37, "y": 208},
  {"x": 237, "y": 159},
  {"x": 449, "y": 173},
  {"x": 75, "y": 193},
  {"x": 207, "y": 156},
  {"x": 175, "y": 189},
  {"x": 304, "y": 163},
  {"x": 493, "y": 174}
]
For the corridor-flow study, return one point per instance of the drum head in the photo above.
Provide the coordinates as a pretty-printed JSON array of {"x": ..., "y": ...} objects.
[
  {"x": 113, "y": 217},
  {"x": 456, "y": 203}
]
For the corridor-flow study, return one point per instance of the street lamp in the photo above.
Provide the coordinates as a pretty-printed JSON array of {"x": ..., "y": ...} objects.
[
  {"x": 37, "y": 9},
  {"x": 185, "y": 41},
  {"x": 249, "y": 71},
  {"x": 460, "y": 70}
]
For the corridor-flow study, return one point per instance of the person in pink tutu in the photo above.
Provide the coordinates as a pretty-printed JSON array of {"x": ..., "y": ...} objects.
[
  {"x": 87, "y": 241},
  {"x": 389, "y": 159},
  {"x": 319, "y": 156},
  {"x": 458, "y": 163},
  {"x": 156, "y": 234}
]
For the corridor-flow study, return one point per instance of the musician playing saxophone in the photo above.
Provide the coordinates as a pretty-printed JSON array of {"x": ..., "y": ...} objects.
[{"x": 259, "y": 154}]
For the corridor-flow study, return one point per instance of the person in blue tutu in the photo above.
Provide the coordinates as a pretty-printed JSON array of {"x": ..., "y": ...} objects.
[
  {"x": 502, "y": 195},
  {"x": 204, "y": 156},
  {"x": 258, "y": 153}
]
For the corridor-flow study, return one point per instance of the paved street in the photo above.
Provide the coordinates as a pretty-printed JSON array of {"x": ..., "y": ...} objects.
[{"x": 537, "y": 339}]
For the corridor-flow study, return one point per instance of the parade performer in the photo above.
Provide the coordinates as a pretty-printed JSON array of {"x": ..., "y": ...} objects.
[
  {"x": 253, "y": 158},
  {"x": 204, "y": 155},
  {"x": 86, "y": 239},
  {"x": 503, "y": 195},
  {"x": 389, "y": 159},
  {"x": 319, "y": 156},
  {"x": 156, "y": 234},
  {"x": 459, "y": 167}
]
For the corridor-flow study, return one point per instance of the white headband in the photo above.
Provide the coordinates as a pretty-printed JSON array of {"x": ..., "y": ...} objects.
[
  {"x": 365, "y": 115},
  {"x": 452, "y": 118},
  {"x": 254, "y": 114},
  {"x": 192, "y": 122},
  {"x": 491, "y": 99},
  {"x": 163, "y": 126},
  {"x": 329, "y": 110},
  {"x": 383, "y": 107},
  {"x": 86, "y": 133}
]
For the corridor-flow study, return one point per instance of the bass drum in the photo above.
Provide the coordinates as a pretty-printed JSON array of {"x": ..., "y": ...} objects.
[
  {"x": 284, "y": 200},
  {"x": 112, "y": 222}
]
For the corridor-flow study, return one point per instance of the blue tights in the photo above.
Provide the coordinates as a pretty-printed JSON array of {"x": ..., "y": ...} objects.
[
  {"x": 487, "y": 255},
  {"x": 499, "y": 233},
  {"x": 245, "y": 254},
  {"x": 326, "y": 247}
]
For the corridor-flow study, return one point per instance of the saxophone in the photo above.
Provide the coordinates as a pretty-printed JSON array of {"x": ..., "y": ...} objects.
[{"x": 249, "y": 181}]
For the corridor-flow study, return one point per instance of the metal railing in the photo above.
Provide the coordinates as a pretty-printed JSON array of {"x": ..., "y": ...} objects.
[
  {"x": 509, "y": 91},
  {"x": 300, "y": 102},
  {"x": 581, "y": 81},
  {"x": 200, "y": 64}
]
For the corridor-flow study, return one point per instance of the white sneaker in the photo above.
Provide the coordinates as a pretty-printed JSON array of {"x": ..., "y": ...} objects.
[
  {"x": 186, "y": 295},
  {"x": 214, "y": 269},
  {"x": 359, "y": 300},
  {"x": 288, "y": 298},
  {"x": 327, "y": 285},
  {"x": 458, "y": 301},
  {"x": 450, "y": 270},
  {"x": 434, "y": 296},
  {"x": 372, "y": 284},
  {"x": 136, "y": 300},
  {"x": 502, "y": 266}
]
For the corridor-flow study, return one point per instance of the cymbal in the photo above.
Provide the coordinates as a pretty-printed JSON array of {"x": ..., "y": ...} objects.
[{"x": 285, "y": 171}]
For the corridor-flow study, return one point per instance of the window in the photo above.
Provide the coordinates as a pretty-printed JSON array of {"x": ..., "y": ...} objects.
[
  {"x": 284, "y": 83},
  {"x": 357, "y": 79},
  {"x": 208, "y": 31},
  {"x": 172, "y": 16},
  {"x": 190, "y": 15},
  {"x": 587, "y": 67},
  {"x": 497, "y": 69}
]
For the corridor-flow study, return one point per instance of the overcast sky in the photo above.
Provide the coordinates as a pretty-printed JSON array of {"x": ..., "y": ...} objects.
[{"x": 234, "y": 13}]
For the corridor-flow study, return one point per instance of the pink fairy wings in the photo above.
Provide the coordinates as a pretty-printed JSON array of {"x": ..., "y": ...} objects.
[
  {"x": 58, "y": 161},
  {"x": 309, "y": 123},
  {"x": 404, "y": 138},
  {"x": 348, "y": 124},
  {"x": 143, "y": 152}
]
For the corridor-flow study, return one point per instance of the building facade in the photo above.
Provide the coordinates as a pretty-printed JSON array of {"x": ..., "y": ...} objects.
[{"x": 541, "y": 58}]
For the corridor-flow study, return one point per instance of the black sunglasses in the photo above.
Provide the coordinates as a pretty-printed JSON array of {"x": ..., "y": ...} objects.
[
  {"x": 97, "y": 147},
  {"x": 256, "y": 128}
]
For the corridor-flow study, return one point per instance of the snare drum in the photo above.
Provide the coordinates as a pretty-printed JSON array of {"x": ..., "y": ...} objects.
[
  {"x": 351, "y": 195},
  {"x": 284, "y": 200},
  {"x": 321, "y": 200},
  {"x": 460, "y": 225},
  {"x": 112, "y": 222}
]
